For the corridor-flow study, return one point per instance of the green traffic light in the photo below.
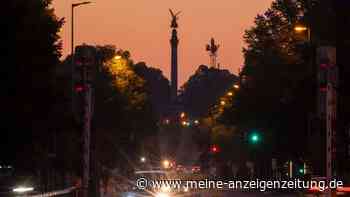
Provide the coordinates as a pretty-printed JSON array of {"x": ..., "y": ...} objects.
[
  {"x": 301, "y": 171},
  {"x": 254, "y": 138}
]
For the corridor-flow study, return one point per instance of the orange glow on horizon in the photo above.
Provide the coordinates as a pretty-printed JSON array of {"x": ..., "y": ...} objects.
[{"x": 143, "y": 29}]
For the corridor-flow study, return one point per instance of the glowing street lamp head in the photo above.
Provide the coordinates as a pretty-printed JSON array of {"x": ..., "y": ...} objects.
[
  {"x": 223, "y": 103},
  {"x": 230, "y": 93},
  {"x": 300, "y": 28},
  {"x": 117, "y": 57},
  {"x": 236, "y": 86},
  {"x": 82, "y": 3}
]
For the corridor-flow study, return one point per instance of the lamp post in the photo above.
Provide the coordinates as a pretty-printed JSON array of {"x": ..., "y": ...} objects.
[
  {"x": 87, "y": 112},
  {"x": 74, "y": 5}
]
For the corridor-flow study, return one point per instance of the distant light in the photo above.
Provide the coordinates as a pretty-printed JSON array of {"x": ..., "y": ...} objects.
[
  {"x": 300, "y": 28},
  {"x": 79, "y": 88},
  {"x": 118, "y": 57},
  {"x": 230, "y": 93},
  {"x": 143, "y": 159},
  {"x": 254, "y": 138},
  {"x": 165, "y": 188},
  {"x": 166, "y": 163},
  {"x": 196, "y": 122},
  {"x": 162, "y": 194},
  {"x": 214, "y": 149},
  {"x": 167, "y": 121},
  {"x": 22, "y": 189},
  {"x": 236, "y": 86},
  {"x": 301, "y": 171},
  {"x": 183, "y": 114},
  {"x": 184, "y": 123},
  {"x": 223, "y": 103}
]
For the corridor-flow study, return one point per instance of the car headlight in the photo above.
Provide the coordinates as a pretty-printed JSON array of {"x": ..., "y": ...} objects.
[
  {"x": 165, "y": 188},
  {"x": 21, "y": 189},
  {"x": 161, "y": 194}
]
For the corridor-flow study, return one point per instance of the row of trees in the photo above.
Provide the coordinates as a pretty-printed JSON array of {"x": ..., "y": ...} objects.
[
  {"x": 41, "y": 126},
  {"x": 278, "y": 84},
  {"x": 126, "y": 111}
]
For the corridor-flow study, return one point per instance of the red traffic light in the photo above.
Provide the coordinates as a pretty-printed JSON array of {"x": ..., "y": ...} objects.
[
  {"x": 78, "y": 62},
  {"x": 323, "y": 66},
  {"x": 323, "y": 88},
  {"x": 214, "y": 149},
  {"x": 79, "y": 88}
]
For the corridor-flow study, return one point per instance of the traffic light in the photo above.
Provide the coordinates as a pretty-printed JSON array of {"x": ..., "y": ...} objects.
[
  {"x": 301, "y": 170},
  {"x": 214, "y": 149},
  {"x": 79, "y": 87},
  {"x": 323, "y": 77},
  {"x": 254, "y": 137}
]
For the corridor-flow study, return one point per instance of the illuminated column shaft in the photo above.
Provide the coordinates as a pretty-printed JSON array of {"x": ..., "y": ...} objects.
[{"x": 174, "y": 43}]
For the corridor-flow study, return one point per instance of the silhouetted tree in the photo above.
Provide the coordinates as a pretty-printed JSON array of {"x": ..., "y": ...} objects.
[
  {"x": 203, "y": 89},
  {"x": 157, "y": 87},
  {"x": 32, "y": 49}
]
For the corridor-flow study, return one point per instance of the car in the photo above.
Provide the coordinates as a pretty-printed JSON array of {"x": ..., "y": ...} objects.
[{"x": 15, "y": 182}]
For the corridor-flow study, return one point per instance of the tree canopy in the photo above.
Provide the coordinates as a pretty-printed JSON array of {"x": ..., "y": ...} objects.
[
  {"x": 278, "y": 82},
  {"x": 31, "y": 50}
]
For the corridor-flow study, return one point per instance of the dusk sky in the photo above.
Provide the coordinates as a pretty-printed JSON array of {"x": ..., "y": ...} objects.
[{"x": 143, "y": 28}]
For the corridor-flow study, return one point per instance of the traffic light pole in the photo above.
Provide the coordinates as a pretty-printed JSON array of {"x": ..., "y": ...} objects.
[{"x": 86, "y": 131}]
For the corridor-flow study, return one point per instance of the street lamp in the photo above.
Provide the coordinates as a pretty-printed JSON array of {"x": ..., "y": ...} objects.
[
  {"x": 236, "y": 86},
  {"x": 303, "y": 28},
  {"x": 72, "y": 41},
  {"x": 86, "y": 174},
  {"x": 74, "y": 5},
  {"x": 117, "y": 57}
]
